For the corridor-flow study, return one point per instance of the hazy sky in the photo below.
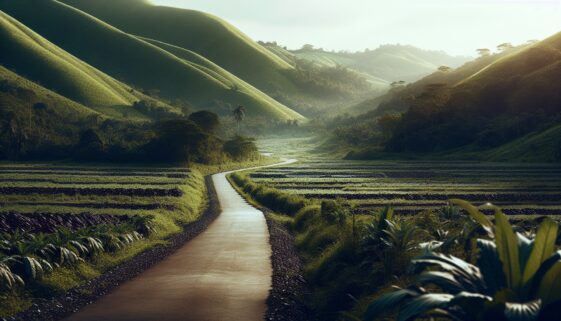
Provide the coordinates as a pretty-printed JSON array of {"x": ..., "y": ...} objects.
[{"x": 456, "y": 26}]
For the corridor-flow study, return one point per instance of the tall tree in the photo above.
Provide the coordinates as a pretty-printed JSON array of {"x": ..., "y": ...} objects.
[{"x": 239, "y": 116}]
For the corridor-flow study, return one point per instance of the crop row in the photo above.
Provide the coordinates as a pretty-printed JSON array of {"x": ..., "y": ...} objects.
[
  {"x": 92, "y": 191},
  {"x": 86, "y": 173},
  {"x": 49, "y": 222},
  {"x": 92, "y": 169},
  {"x": 491, "y": 197},
  {"x": 101, "y": 205}
]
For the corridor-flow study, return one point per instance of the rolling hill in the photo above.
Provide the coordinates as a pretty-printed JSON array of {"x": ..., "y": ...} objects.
[
  {"x": 205, "y": 34},
  {"x": 125, "y": 57},
  {"x": 506, "y": 105},
  {"x": 227, "y": 47},
  {"x": 45, "y": 117},
  {"x": 387, "y": 63}
]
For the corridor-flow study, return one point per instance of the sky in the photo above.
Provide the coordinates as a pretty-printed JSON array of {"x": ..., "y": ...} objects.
[{"x": 458, "y": 27}]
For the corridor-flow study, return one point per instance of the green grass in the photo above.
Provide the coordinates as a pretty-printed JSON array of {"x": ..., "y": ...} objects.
[
  {"x": 38, "y": 59},
  {"x": 200, "y": 32},
  {"x": 125, "y": 57}
]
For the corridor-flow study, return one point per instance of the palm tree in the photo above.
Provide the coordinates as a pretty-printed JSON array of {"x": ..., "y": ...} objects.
[{"x": 239, "y": 116}]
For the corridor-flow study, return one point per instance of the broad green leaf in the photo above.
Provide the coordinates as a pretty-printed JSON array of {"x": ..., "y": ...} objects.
[
  {"x": 507, "y": 248},
  {"x": 488, "y": 262},
  {"x": 387, "y": 302},
  {"x": 550, "y": 286},
  {"x": 548, "y": 264},
  {"x": 544, "y": 246},
  {"x": 423, "y": 304},
  {"x": 528, "y": 311},
  {"x": 475, "y": 214}
]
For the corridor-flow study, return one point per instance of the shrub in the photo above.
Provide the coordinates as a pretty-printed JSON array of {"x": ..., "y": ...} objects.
[
  {"x": 514, "y": 278},
  {"x": 333, "y": 212},
  {"x": 305, "y": 216}
]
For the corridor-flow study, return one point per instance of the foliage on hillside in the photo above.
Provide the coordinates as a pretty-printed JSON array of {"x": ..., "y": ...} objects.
[{"x": 495, "y": 104}]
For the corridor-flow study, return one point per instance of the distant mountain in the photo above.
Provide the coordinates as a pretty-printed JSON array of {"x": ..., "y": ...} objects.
[
  {"x": 388, "y": 63},
  {"x": 142, "y": 64},
  {"x": 505, "y": 106}
]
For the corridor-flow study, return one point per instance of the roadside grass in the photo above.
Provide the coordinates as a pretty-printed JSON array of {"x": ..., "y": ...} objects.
[{"x": 346, "y": 262}]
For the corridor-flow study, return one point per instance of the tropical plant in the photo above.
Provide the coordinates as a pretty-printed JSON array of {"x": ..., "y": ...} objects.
[
  {"x": 65, "y": 249},
  {"x": 143, "y": 224},
  {"x": 514, "y": 278},
  {"x": 24, "y": 263},
  {"x": 239, "y": 116},
  {"x": 8, "y": 279},
  {"x": 372, "y": 240}
]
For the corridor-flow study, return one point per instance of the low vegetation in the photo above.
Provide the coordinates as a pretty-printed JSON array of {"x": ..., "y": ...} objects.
[
  {"x": 52, "y": 240},
  {"x": 353, "y": 256}
]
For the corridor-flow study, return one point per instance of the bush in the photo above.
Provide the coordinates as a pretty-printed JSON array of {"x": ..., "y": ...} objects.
[
  {"x": 305, "y": 216},
  {"x": 241, "y": 148},
  {"x": 333, "y": 212}
]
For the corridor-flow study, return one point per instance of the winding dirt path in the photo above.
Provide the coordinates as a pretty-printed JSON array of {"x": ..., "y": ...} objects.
[{"x": 222, "y": 274}]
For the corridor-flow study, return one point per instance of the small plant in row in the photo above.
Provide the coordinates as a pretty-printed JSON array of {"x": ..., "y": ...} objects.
[{"x": 26, "y": 258}]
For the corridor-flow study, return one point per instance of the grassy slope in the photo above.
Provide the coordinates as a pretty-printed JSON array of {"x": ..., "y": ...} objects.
[
  {"x": 528, "y": 77},
  {"x": 62, "y": 121},
  {"x": 390, "y": 62},
  {"x": 58, "y": 104},
  {"x": 125, "y": 57},
  {"x": 31, "y": 55},
  {"x": 451, "y": 78},
  {"x": 220, "y": 73},
  {"x": 200, "y": 32}
]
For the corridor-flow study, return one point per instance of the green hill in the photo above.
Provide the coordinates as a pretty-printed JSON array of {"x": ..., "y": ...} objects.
[
  {"x": 389, "y": 62},
  {"x": 43, "y": 62},
  {"x": 38, "y": 116},
  {"x": 23, "y": 50},
  {"x": 507, "y": 105},
  {"x": 139, "y": 63},
  {"x": 205, "y": 34},
  {"x": 229, "y": 48}
]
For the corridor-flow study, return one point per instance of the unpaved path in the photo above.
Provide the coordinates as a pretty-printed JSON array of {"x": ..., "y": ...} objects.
[{"x": 222, "y": 274}]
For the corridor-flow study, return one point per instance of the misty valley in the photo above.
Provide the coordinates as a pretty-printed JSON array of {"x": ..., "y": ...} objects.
[{"x": 191, "y": 160}]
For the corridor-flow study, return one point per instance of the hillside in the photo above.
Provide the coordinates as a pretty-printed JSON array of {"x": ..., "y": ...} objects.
[
  {"x": 124, "y": 57},
  {"x": 497, "y": 107},
  {"x": 389, "y": 62},
  {"x": 24, "y": 50},
  {"x": 33, "y": 116},
  {"x": 229, "y": 48}
]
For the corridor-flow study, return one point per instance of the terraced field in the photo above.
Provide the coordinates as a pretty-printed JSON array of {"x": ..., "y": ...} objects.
[
  {"x": 39, "y": 193},
  {"x": 520, "y": 189}
]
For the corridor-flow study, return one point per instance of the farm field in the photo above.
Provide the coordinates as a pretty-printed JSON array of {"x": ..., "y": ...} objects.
[
  {"x": 75, "y": 222},
  {"x": 409, "y": 186},
  {"x": 169, "y": 194}
]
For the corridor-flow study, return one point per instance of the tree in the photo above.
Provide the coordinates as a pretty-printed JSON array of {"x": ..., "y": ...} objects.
[
  {"x": 239, "y": 116},
  {"x": 444, "y": 68},
  {"x": 505, "y": 46},
  {"x": 484, "y": 52},
  {"x": 307, "y": 47},
  {"x": 206, "y": 120}
]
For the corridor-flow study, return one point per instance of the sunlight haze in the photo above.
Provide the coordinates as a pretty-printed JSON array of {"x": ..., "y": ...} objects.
[{"x": 456, "y": 26}]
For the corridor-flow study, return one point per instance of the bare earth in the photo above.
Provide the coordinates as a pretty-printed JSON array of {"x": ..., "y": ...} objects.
[{"x": 222, "y": 274}]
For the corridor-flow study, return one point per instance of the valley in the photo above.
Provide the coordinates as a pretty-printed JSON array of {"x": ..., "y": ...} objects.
[{"x": 280, "y": 160}]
